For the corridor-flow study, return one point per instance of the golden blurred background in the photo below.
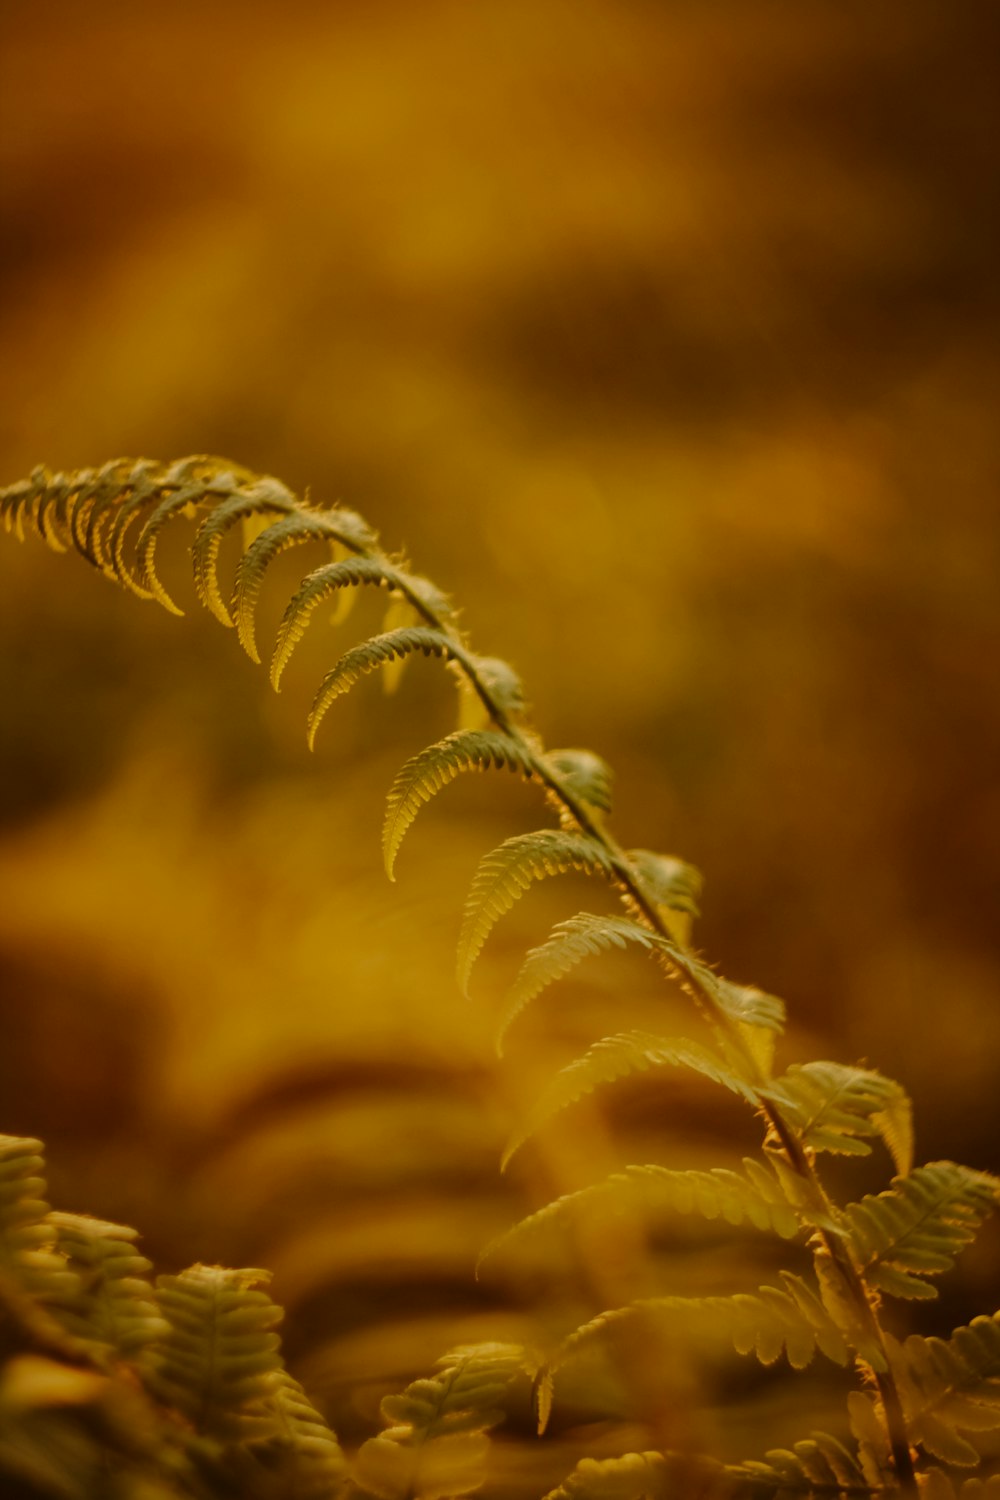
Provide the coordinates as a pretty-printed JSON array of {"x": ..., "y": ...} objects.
[{"x": 664, "y": 337}]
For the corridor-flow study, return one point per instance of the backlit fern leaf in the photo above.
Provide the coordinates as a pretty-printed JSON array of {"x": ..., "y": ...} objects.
[
  {"x": 29, "y": 1263},
  {"x": 950, "y": 1388},
  {"x": 112, "y": 1304},
  {"x": 917, "y": 1227},
  {"x": 264, "y": 496},
  {"x": 219, "y": 1363},
  {"x": 836, "y": 1107},
  {"x": 315, "y": 588},
  {"x": 753, "y": 1196},
  {"x": 341, "y": 526},
  {"x": 586, "y": 935},
  {"x": 639, "y": 1476},
  {"x": 569, "y": 943},
  {"x": 436, "y": 1446},
  {"x": 303, "y": 1458},
  {"x": 615, "y": 1057},
  {"x": 370, "y": 655},
  {"x": 766, "y": 1323},
  {"x": 427, "y": 772},
  {"x": 675, "y": 887},
  {"x": 820, "y": 1465},
  {"x": 187, "y": 485},
  {"x": 507, "y": 872},
  {"x": 585, "y": 775}
]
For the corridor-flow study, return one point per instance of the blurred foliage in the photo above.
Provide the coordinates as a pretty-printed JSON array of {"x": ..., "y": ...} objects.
[{"x": 665, "y": 337}]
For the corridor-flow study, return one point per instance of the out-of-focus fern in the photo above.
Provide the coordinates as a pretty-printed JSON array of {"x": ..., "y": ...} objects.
[
  {"x": 112, "y": 1303},
  {"x": 218, "y": 1362},
  {"x": 436, "y": 1444},
  {"x": 887, "y": 1243}
]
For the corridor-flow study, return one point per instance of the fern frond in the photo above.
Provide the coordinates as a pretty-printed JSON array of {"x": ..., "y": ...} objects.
[
  {"x": 303, "y": 1457},
  {"x": 436, "y": 1446},
  {"x": 263, "y": 496},
  {"x": 753, "y": 1196},
  {"x": 674, "y": 885},
  {"x": 820, "y": 1465},
  {"x": 317, "y": 587},
  {"x": 917, "y": 1227},
  {"x": 186, "y": 486},
  {"x": 112, "y": 1304},
  {"x": 29, "y": 1263},
  {"x": 219, "y": 1361},
  {"x": 836, "y": 1108},
  {"x": 950, "y": 1388},
  {"x": 340, "y": 525},
  {"x": 569, "y": 943},
  {"x": 508, "y": 871},
  {"x": 640, "y": 1476},
  {"x": 772, "y": 1321},
  {"x": 937, "y": 1484},
  {"x": 427, "y": 772},
  {"x": 370, "y": 655},
  {"x": 615, "y": 1057},
  {"x": 586, "y": 936},
  {"x": 585, "y": 775}
]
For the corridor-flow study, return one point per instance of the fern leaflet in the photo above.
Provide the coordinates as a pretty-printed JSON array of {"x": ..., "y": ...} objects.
[
  {"x": 437, "y": 1444},
  {"x": 585, "y": 775},
  {"x": 372, "y": 654},
  {"x": 836, "y": 1107},
  {"x": 820, "y": 1465},
  {"x": 615, "y": 1057},
  {"x": 427, "y": 772},
  {"x": 771, "y": 1321},
  {"x": 917, "y": 1227},
  {"x": 341, "y": 526},
  {"x": 29, "y": 1264},
  {"x": 640, "y": 1476},
  {"x": 752, "y": 1196},
  {"x": 263, "y": 497},
  {"x": 219, "y": 1363},
  {"x": 506, "y": 873},
  {"x": 112, "y": 1304},
  {"x": 950, "y": 1388},
  {"x": 320, "y": 585},
  {"x": 303, "y": 1455}
]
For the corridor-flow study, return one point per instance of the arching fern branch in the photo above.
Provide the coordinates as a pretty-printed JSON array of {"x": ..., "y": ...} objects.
[{"x": 99, "y": 512}]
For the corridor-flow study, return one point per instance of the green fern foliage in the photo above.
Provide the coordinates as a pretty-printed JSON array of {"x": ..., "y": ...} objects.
[
  {"x": 219, "y": 1364},
  {"x": 752, "y": 1196},
  {"x": 426, "y": 773},
  {"x": 819, "y": 1465},
  {"x": 314, "y": 590},
  {"x": 640, "y": 1476},
  {"x": 29, "y": 1263},
  {"x": 301, "y": 1458},
  {"x": 837, "y": 1108},
  {"x": 436, "y": 1445},
  {"x": 505, "y": 874},
  {"x": 616, "y": 1057},
  {"x": 919, "y": 1225},
  {"x": 370, "y": 655},
  {"x": 112, "y": 1304},
  {"x": 74, "y": 1290},
  {"x": 587, "y": 935},
  {"x": 772, "y": 1321},
  {"x": 950, "y": 1389},
  {"x": 585, "y": 775}
]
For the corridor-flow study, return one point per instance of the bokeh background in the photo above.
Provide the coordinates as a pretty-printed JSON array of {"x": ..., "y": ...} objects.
[{"x": 663, "y": 336}]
